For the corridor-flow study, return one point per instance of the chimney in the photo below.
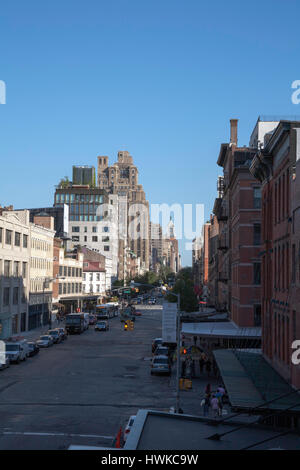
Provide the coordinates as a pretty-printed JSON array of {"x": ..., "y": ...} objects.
[{"x": 233, "y": 131}]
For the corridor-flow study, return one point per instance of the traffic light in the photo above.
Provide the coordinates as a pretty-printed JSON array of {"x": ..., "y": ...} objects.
[{"x": 183, "y": 351}]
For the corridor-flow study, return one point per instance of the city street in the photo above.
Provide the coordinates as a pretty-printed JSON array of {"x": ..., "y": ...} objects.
[{"x": 82, "y": 390}]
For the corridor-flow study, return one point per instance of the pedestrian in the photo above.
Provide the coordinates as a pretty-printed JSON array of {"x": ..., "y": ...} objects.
[
  {"x": 201, "y": 364},
  {"x": 205, "y": 403},
  {"x": 214, "y": 403},
  {"x": 208, "y": 367},
  {"x": 215, "y": 368},
  {"x": 193, "y": 369},
  {"x": 183, "y": 367},
  {"x": 195, "y": 340},
  {"x": 208, "y": 389}
]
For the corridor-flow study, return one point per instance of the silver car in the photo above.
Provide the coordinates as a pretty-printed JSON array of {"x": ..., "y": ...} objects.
[
  {"x": 160, "y": 365},
  {"x": 44, "y": 341}
]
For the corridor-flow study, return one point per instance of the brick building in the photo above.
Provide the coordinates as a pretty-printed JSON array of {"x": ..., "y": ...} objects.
[
  {"x": 238, "y": 211},
  {"x": 276, "y": 166}
]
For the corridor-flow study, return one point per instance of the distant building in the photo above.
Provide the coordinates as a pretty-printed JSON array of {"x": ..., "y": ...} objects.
[
  {"x": 84, "y": 175},
  {"x": 122, "y": 179}
]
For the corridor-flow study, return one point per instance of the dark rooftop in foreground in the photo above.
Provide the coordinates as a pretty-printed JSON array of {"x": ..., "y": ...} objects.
[{"x": 166, "y": 431}]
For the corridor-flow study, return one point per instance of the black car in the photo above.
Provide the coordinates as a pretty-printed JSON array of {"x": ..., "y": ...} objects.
[
  {"x": 55, "y": 336},
  {"x": 33, "y": 349},
  {"x": 62, "y": 333}
]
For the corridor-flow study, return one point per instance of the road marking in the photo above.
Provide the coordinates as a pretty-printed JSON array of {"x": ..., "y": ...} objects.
[{"x": 15, "y": 433}]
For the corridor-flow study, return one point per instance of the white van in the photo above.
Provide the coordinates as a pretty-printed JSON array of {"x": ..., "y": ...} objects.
[{"x": 17, "y": 351}]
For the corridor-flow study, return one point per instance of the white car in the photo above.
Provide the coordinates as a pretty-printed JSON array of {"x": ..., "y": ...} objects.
[{"x": 129, "y": 426}]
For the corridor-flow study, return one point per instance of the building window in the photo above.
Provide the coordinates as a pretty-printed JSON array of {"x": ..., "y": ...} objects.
[
  {"x": 106, "y": 248},
  {"x": 105, "y": 229},
  {"x": 257, "y": 315},
  {"x": 105, "y": 239},
  {"x": 94, "y": 239},
  {"x": 60, "y": 288},
  {"x": 15, "y": 296},
  {"x": 75, "y": 239},
  {"x": 24, "y": 270},
  {"x": 1, "y": 230},
  {"x": 25, "y": 241},
  {"x": 256, "y": 234},
  {"x": 17, "y": 239},
  {"x": 257, "y": 198},
  {"x": 8, "y": 237},
  {"x": 76, "y": 229},
  {"x": 256, "y": 273},
  {"x": 6, "y": 294},
  {"x": 16, "y": 268},
  {"x": 6, "y": 268},
  {"x": 94, "y": 229}
]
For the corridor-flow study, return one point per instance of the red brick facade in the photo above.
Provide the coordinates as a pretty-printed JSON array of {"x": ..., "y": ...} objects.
[{"x": 275, "y": 166}]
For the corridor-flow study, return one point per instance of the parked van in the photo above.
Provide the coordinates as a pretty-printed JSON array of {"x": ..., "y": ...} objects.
[{"x": 17, "y": 351}]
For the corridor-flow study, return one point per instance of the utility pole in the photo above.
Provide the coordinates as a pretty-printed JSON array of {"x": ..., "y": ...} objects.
[{"x": 178, "y": 355}]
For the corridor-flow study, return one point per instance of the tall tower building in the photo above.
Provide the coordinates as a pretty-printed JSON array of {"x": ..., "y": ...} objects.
[{"x": 122, "y": 179}]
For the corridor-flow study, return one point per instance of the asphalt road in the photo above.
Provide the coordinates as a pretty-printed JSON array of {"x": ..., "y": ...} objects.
[{"x": 82, "y": 390}]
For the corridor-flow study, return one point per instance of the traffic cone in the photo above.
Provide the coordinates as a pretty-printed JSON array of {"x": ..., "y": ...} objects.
[{"x": 118, "y": 440}]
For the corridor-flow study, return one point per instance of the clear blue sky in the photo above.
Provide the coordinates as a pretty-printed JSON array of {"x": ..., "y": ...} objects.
[{"x": 158, "y": 78}]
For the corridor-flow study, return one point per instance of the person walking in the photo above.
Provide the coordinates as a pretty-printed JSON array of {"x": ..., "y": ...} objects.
[
  {"x": 201, "y": 364},
  {"x": 215, "y": 406},
  {"x": 208, "y": 367},
  {"x": 206, "y": 405},
  {"x": 208, "y": 389}
]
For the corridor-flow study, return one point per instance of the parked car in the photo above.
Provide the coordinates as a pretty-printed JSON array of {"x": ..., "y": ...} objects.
[
  {"x": 62, "y": 333},
  {"x": 161, "y": 351},
  {"x": 16, "y": 351},
  {"x": 156, "y": 342},
  {"x": 92, "y": 319},
  {"x": 160, "y": 365},
  {"x": 33, "y": 349},
  {"x": 129, "y": 426},
  {"x": 102, "y": 326},
  {"x": 55, "y": 336},
  {"x": 5, "y": 362},
  {"x": 137, "y": 313},
  {"x": 44, "y": 341}
]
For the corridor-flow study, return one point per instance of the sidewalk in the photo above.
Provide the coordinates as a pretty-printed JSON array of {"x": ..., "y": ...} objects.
[
  {"x": 33, "y": 335},
  {"x": 190, "y": 400}
]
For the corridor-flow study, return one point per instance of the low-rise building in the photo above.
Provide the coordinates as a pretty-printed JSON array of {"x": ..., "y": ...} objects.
[{"x": 14, "y": 274}]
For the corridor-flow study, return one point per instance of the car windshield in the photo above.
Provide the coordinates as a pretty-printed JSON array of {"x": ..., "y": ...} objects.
[
  {"x": 12, "y": 347},
  {"x": 44, "y": 338},
  {"x": 160, "y": 361},
  {"x": 101, "y": 324},
  {"x": 53, "y": 333},
  {"x": 162, "y": 351}
]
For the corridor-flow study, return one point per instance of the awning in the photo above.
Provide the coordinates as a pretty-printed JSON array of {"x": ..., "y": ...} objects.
[
  {"x": 220, "y": 330},
  {"x": 250, "y": 381}
]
